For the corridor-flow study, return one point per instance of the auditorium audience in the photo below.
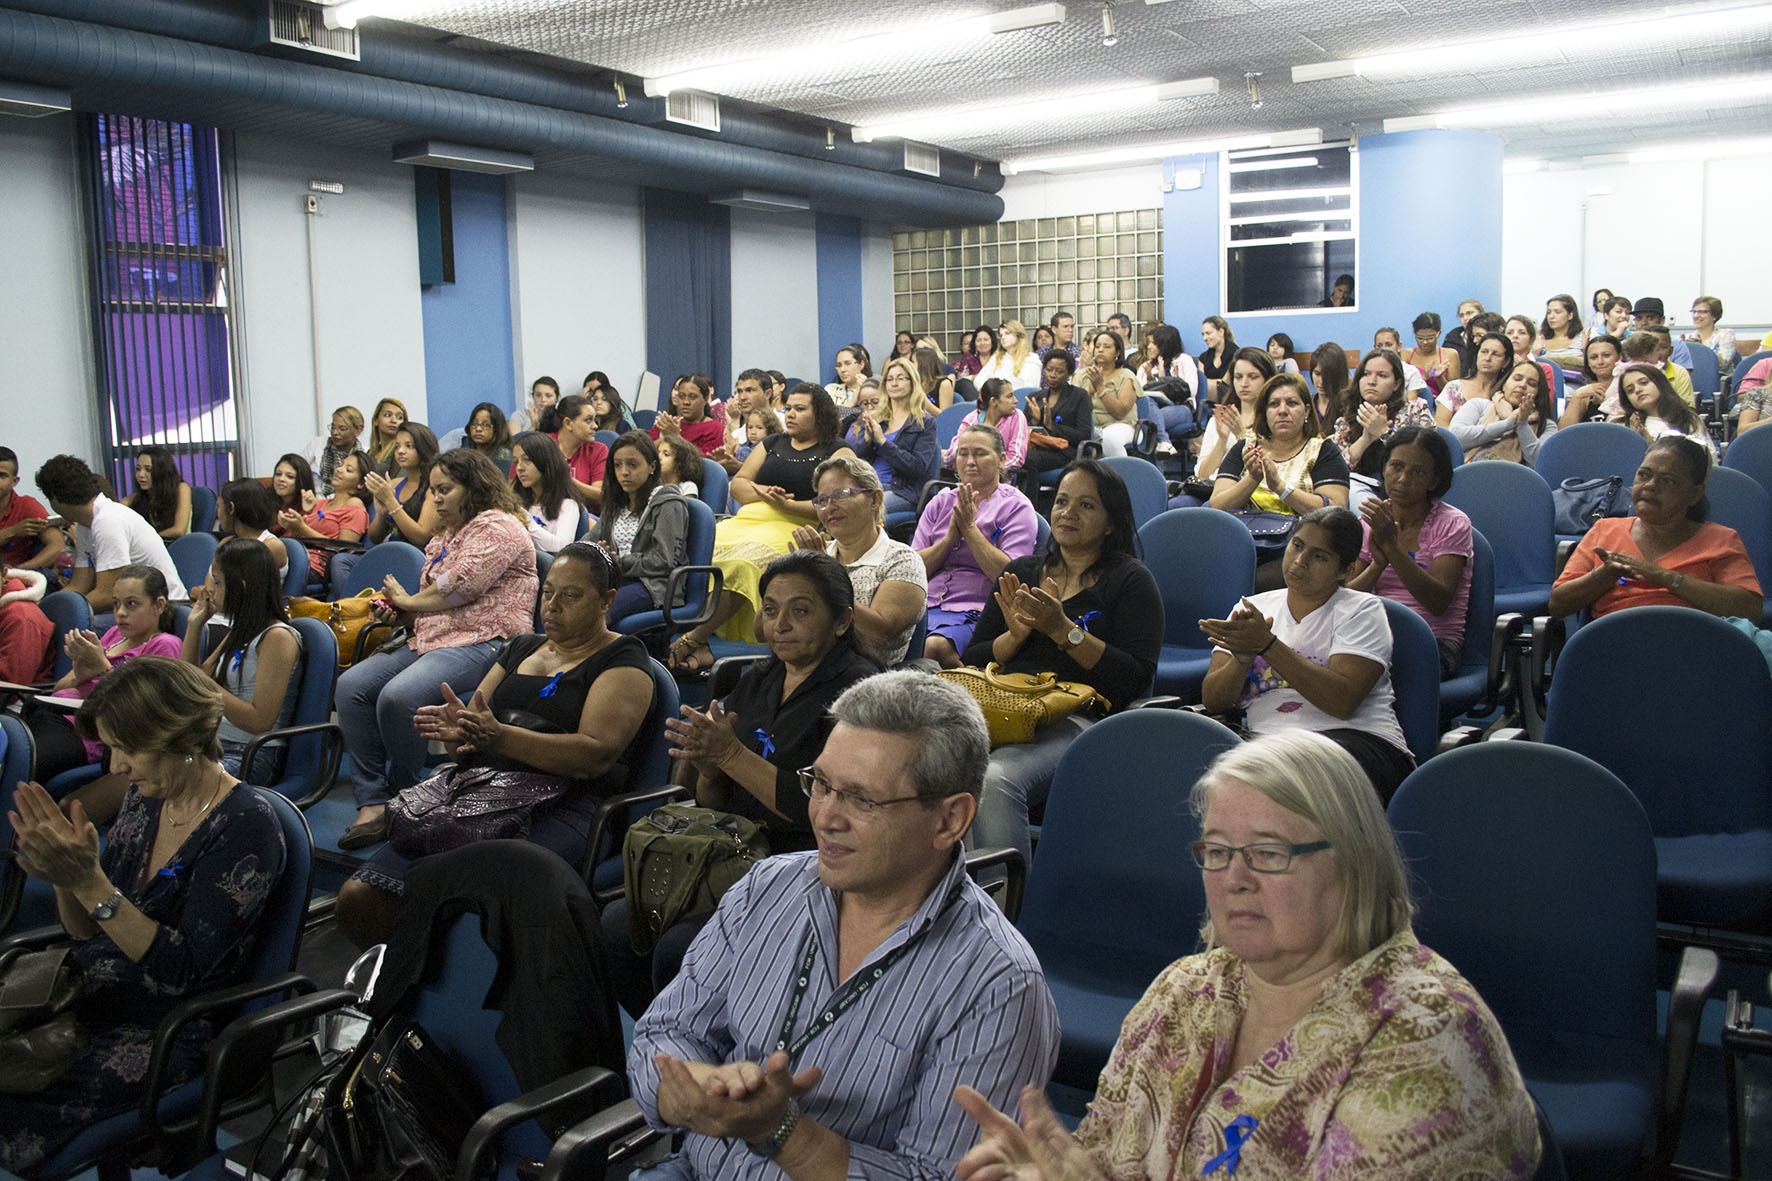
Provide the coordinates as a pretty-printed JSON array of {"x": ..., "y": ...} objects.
[
  {"x": 1060, "y": 421},
  {"x": 402, "y": 497},
  {"x": 966, "y": 537},
  {"x": 340, "y": 517},
  {"x": 1512, "y": 424},
  {"x": 1668, "y": 552},
  {"x": 1438, "y": 363},
  {"x": 1707, "y": 310},
  {"x": 1113, "y": 392},
  {"x": 1087, "y": 611},
  {"x": 610, "y": 411},
  {"x": 1379, "y": 404},
  {"x": 1649, "y": 405},
  {"x": 1279, "y": 347},
  {"x": 27, "y": 539},
  {"x": 679, "y": 464},
  {"x": 486, "y": 432},
  {"x": 644, "y": 525},
  {"x": 1462, "y": 339},
  {"x": 324, "y": 451},
  {"x": 1287, "y": 466},
  {"x": 477, "y": 589},
  {"x": 891, "y": 589},
  {"x": 293, "y": 486},
  {"x": 257, "y": 660},
  {"x": 573, "y": 425},
  {"x": 543, "y": 395},
  {"x": 546, "y": 736},
  {"x": 852, "y": 363},
  {"x": 1234, "y": 421},
  {"x": 1221, "y": 348},
  {"x": 1014, "y": 359},
  {"x": 1314, "y": 1035},
  {"x": 246, "y": 509},
  {"x": 153, "y": 920},
  {"x": 384, "y": 430},
  {"x": 689, "y": 417},
  {"x": 1601, "y": 356},
  {"x": 107, "y": 536},
  {"x": 1418, "y": 548},
  {"x": 1493, "y": 360},
  {"x": 1560, "y": 336},
  {"x": 898, "y": 438},
  {"x": 999, "y": 410},
  {"x": 938, "y": 387},
  {"x": 1314, "y": 655},
  {"x": 544, "y": 488},
  {"x": 774, "y": 491},
  {"x": 1754, "y": 395},
  {"x": 161, "y": 495}
]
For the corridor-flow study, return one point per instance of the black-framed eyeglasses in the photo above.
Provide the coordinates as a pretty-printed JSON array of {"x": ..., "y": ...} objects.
[
  {"x": 1262, "y": 857},
  {"x": 818, "y": 789},
  {"x": 826, "y": 499}
]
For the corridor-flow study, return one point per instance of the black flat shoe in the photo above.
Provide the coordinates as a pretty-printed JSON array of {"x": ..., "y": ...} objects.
[{"x": 361, "y": 836}]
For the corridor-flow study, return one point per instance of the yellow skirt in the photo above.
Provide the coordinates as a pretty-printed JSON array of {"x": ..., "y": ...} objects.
[{"x": 743, "y": 546}]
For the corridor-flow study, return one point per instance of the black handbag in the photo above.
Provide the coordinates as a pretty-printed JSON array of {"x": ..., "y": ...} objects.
[
  {"x": 40, "y": 1036},
  {"x": 401, "y": 1113}
]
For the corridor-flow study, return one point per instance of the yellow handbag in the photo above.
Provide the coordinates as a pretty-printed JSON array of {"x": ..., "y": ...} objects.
[
  {"x": 346, "y": 618},
  {"x": 1016, "y": 705}
]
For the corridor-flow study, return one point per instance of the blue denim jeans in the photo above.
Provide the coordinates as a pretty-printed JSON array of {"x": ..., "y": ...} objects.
[
  {"x": 1016, "y": 783},
  {"x": 376, "y": 700}
]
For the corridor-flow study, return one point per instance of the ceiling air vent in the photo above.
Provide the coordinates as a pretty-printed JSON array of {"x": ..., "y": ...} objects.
[
  {"x": 921, "y": 158},
  {"x": 693, "y": 108},
  {"x": 296, "y": 25}
]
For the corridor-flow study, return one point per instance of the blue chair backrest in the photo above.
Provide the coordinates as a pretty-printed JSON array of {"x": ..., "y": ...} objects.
[
  {"x": 1511, "y": 506},
  {"x": 715, "y": 485},
  {"x": 67, "y": 611},
  {"x": 191, "y": 556},
  {"x": 1706, "y": 379},
  {"x": 202, "y": 509},
  {"x": 1696, "y": 768},
  {"x": 947, "y": 424},
  {"x": 18, "y": 762},
  {"x": 1588, "y": 450},
  {"x": 1479, "y": 617},
  {"x": 653, "y": 767},
  {"x": 1204, "y": 561},
  {"x": 403, "y": 560},
  {"x": 1452, "y": 442},
  {"x": 543, "y": 563},
  {"x": 1415, "y": 679},
  {"x": 643, "y": 419},
  {"x": 295, "y": 582},
  {"x": 286, "y": 910},
  {"x": 1737, "y": 501},
  {"x": 1537, "y": 880},
  {"x": 919, "y": 637},
  {"x": 584, "y": 523},
  {"x": 1145, "y": 483},
  {"x": 1556, "y": 382},
  {"x": 313, "y": 704},
  {"x": 1113, "y": 887},
  {"x": 1043, "y": 533},
  {"x": 1751, "y": 454},
  {"x": 1022, "y": 395},
  {"x": 607, "y": 438}
]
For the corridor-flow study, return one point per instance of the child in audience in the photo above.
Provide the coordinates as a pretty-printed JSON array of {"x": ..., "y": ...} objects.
[
  {"x": 27, "y": 539},
  {"x": 679, "y": 463},
  {"x": 758, "y": 425}
]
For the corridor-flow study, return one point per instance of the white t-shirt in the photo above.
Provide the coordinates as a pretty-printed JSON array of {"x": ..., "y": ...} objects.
[
  {"x": 999, "y": 365},
  {"x": 120, "y": 536},
  {"x": 1350, "y": 622},
  {"x": 886, "y": 561}
]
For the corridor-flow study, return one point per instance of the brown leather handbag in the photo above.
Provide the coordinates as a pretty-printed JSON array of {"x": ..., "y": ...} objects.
[{"x": 346, "y": 618}]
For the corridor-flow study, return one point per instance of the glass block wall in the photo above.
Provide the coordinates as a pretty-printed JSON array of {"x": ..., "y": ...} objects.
[{"x": 947, "y": 282}]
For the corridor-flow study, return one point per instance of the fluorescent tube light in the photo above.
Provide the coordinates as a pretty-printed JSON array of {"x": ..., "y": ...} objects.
[
  {"x": 1719, "y": 92},
  {"x": 1580, "y": 40},
  {"x": 1274, "y": 165},
  {"x": 1157, "y": 151},
  {"x": 941, "y": 124},
  {"x": 433, "y": 153},
  {"x": 1262, "y": 219},
  {"x": 731, "y": 77},
  {"x": 1702, "y": 150},
  {"x": 31, "y": 101},
  {"x": 1519, "y": 166},
  {"x": 1293, "y": 194},
  {"x": 347, "y": 14}
]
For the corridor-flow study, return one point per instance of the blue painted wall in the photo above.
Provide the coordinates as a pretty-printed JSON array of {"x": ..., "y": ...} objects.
[
  {"x": 839, "y": 289},
  {"x": 467, "y": 324},
  {"x": 1430, "y": 236}
]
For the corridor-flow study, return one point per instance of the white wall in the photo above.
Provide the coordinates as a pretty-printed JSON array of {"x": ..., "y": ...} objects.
[
  {"x": 1109, "y": 190},
  {"x": 775, "y": 292},
  {"x": 1675, "y": 231},
  {"x": 878, "y": 322},
  {"x": 578, "y": 282},
  {"x": 45, "y": 317},
  {"x": 367, "y": 292}
]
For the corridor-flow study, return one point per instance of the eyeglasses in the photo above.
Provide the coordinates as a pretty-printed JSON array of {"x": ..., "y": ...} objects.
[
  {"x": 818, "y": 789},
  {"x": 1263, "y": 857},
  {"x": 826, "y": 499}
]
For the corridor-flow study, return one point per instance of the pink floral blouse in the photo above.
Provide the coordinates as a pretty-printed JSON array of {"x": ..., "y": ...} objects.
[{"x": 487, "y": 569}]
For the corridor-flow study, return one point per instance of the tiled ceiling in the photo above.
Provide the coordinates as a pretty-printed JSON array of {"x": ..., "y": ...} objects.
[{"x": 927, "y": 73}]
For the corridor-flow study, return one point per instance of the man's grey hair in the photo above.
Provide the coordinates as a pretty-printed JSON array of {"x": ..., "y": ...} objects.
[{"x": 953, "y": 743}]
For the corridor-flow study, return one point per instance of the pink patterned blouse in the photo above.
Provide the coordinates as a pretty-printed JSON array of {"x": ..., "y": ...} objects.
[{"x": 487, "y": 569}]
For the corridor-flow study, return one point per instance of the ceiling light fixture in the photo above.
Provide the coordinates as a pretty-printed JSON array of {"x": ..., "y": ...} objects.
[
  {"x": 830, "y": 139},
  {"x": 1109, "y": 37},
  {"x": 1579, "y": 41},
  {"x": 733, "y": 77},
  {"x": 1702, "y": 150},
  {"x": 1253, "y": 82},
  {"x": 1298, "y": 137},
  {"x": 347, "y": 14},
  {"x": 1274, "y": 165},
  {"x": 935, "y": 126},
  {"x": 621, "y": 93},
  {"x": 1623, "y": 103}
]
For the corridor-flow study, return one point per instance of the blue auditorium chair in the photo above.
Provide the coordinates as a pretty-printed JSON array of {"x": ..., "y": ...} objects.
[{"x": 1204, "y": 562}]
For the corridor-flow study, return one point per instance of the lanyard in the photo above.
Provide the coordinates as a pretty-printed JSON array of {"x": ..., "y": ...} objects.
[{"x": 852, "y": 992}]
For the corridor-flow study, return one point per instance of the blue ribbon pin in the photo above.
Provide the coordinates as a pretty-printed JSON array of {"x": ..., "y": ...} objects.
[
  {"x": 442, "y": 552},
  {"x": 1087, "y": 618},
  {"x": 1235, "y": 1136},
  {"x": 768, "y": 743},
  {"x": 553, "y": 685}
]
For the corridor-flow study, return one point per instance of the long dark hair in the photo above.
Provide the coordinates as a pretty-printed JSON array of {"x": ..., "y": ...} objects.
[
  {"x": 424, "y": 442},
  {"x": 830, "y": 581},
  {"x": 484, "y": 483},
  {"x": 1393, "y": 405},
  {"x": 562, "y": 412},
  {"x": 501, "y": 431},
  {"x": 159, "y": 501},
  {"x": 556, "y": 481},
  {"x": 304, "y": 479},
  {"x": 824, "y": 411},
  {"x": 614, "y": 497},
  {"x": 614, "y": 420},
  {"x": 250, "y": 503},
  {"x": 154, "y": 584},
  {"x": 252, "y": 593},
  {"x": 1116, "y": 501}
]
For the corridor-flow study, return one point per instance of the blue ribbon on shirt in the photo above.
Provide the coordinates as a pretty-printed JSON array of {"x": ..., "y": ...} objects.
[
  {"x": 442, "y": 552},
  {"x": 1087, "y": 618},
  {"x": 1235, "y": 1136},
  {"x": 553, "y": 685},
  {"x": 768, "y": 743}
]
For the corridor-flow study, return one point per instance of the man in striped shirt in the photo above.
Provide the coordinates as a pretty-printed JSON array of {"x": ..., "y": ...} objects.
[{"x": 822, "y": 1020}]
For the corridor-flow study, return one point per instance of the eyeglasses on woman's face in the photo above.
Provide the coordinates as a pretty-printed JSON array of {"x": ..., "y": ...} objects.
[
  {"x": 826, "y": 499},
  {"x": 1262, "y": 857}
]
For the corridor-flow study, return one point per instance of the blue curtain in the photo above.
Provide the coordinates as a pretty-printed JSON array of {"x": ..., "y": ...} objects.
[{"x": 688, "y": 289}]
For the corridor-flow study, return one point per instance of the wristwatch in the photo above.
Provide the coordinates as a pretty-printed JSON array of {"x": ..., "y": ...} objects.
[
  {"x": 107, "y": 908},
  {"x": 1074, "y": 637},
  {"x": 778, "y": 1139}
]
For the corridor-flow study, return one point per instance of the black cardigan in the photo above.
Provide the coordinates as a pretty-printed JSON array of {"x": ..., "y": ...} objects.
[
  {"x": 1129, "y": 621},
  {"x": 1071, "y": 417}
]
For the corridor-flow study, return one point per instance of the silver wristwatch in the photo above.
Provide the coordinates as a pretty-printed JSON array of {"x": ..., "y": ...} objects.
[
  {"x": 778, "y": 1139},
  {"x": 1074, "y": 637},
  {"x": 107, "y": 908}
]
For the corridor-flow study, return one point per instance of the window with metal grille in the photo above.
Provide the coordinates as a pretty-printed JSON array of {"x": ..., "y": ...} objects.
[{"x": 160, "y": 303}]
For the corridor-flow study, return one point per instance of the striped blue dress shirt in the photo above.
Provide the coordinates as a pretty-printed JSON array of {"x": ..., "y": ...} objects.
[{"x": 967, "y": 1004}]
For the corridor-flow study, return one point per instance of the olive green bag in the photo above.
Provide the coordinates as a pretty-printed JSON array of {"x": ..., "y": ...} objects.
[{"x": 677, "y": 861}]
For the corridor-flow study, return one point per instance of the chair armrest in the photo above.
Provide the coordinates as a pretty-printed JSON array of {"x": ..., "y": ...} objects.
[
  {"x": 1458, "y": 736},
  {"x": 1565, "y": 551},
  {"x": 203, "y": 1005},
  {"x": 363, "y": 637},
  {"x": 679, "y": 585},
  {"x": 331, "y": 754},
  {"x": 1016, "y": 885},
  {"x": 1548, "y": 636},
  {"x": 1693, "y": 984},
  {"x": 1503, "y": 671},
  {"x": 36, "y": 939},
  {"x": 1162, "y": 701},
  {"x": 605, "y": 816},
  {"x": 583, "y": 1153},
  {"x": 1144, "y": 438},
  {"x": 1509, "y": 734},
  {"x": 246, "y": 1044},
  {"x": 1089, "y": 449},
  {"x": 592, "y": 1086}
]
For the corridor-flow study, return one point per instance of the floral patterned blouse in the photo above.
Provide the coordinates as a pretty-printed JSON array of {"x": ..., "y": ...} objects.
[
  {"x": 1399, "y": 1070},
  {"x": 486, "y": 569}
]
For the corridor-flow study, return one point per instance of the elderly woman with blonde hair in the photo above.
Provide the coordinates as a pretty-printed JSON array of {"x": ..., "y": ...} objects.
[
  {"x": 891, "y": 587},
  {"x": 1313, "y": 1036}
]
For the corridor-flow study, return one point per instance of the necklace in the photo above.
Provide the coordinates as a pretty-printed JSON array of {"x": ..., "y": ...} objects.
[{"x": 165, "y": 812}]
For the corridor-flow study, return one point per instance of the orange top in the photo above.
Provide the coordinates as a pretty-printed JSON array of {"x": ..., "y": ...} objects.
[{"x": 1714, "y": 553}]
